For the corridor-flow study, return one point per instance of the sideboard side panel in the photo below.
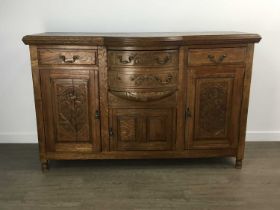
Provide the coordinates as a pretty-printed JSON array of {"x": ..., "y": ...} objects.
[
  {"x": 245, "y": 103},
  {"x": 38, "y": 103}
]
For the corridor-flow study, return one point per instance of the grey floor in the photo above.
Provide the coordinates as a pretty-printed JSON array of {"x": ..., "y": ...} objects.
[{"x": 140, "y": 184}]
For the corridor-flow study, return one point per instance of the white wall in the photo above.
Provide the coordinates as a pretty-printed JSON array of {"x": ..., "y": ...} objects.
[{"x": 18, "y": 18}]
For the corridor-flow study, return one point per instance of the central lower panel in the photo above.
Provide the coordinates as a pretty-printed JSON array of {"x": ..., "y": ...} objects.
[{"x": 142, "y": 99}]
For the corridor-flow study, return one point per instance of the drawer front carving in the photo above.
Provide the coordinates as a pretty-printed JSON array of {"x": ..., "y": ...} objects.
[
  {"x": 216, "y": 56},
  {"x": 149, "y": 79},
  {"x": 143, "y": 58},
  {"x": 142, "y": 129},
  {"x": 63, "y": 56},
  {"x": 143, "y": 95},
  {"x": 117, "y": 101}
]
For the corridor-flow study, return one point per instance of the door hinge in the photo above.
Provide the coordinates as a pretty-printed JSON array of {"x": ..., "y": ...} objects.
[
  {"x": 97, "y": 114},
  {"x": 188, "y": 113},
  {"x": 111, "y": 132}
]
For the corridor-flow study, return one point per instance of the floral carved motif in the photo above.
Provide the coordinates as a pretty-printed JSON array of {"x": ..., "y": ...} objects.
[
  {"x": 72, "y": 106},
  {"x": 149, "y": 79},
  {"x": 143, "y": 95},
  {"x": 213, "y": 109}
]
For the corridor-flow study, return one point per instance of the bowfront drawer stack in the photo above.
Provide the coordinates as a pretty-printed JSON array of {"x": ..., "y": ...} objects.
[
  {"x": 162, "y": 95},
  {"x": 145, "y": 79},
  {"x": 143, "y": 75}
]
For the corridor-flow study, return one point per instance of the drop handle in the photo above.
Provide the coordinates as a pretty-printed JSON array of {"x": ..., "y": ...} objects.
[
  {"x": 111, "y": 132},
  {"x": 72, "y": 59},
  {"x": 126, "y": 61},
  {"x": 97, "y": 114},
  {"x": 188, "y": 113},
  {"x": 162, "y": 61},
  {"x": 219, "y": 60}
]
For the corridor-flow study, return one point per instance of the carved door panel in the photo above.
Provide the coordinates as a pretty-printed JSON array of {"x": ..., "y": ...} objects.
[
  {"x": 213, "y": 106},
  {"x": 70, "y": 101},
  {"x": 142, "y": 129}
]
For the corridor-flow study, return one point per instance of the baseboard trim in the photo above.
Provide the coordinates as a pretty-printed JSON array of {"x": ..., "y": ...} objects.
[
  {"x": 263, "y": 136},
  {"x": 32, "y": 137},
  {"x": 18, "y": 138}
]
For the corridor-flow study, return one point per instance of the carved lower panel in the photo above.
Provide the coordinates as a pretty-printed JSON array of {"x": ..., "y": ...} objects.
[
  {"x": 142, "y": 129},
  {"x": 71, "y": 109},
  {"x": 156, "y": 128},
  {"x": 127, "y": 128}
]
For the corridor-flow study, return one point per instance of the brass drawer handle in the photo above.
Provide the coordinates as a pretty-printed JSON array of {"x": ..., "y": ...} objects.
[
  {"x": 69, "y": 60},
  {"x": 162, "y": 61},
  {"x": 220, "y": 59},
  {"x": 126, "y": 61}
]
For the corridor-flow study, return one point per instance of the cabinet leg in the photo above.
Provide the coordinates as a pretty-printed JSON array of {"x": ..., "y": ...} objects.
[
  {"x": 45, "y": 165},
  {"x": 238, "y": 164}
]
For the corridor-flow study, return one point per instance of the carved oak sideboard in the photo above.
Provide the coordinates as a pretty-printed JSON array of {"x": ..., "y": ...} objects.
[{"x": 144, "y": 95}]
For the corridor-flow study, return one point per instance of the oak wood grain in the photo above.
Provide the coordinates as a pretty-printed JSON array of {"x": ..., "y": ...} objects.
[
  {"x": 38, "y": 103},
  {"x": 145, "y": 95},
  {"x": 216, "y": 56},
  {"x": 65, "y": 56},
  {"x": 141, "y": 39},
  {"x": 245, "y": 103}
]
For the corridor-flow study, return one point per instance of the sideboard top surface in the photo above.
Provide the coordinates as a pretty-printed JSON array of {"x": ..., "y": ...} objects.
[{"x": 140, "y": 39}]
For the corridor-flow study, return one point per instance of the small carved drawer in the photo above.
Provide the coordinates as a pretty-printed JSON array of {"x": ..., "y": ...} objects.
[
  {"x": 216, "y": 56},
  {"x": 65, "y": 56},
  {"x": 143, "y": 58}
]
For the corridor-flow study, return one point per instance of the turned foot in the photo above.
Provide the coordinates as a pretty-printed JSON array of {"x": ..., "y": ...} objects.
[
  {"x": 238, "y": 164},
  {"x": 45, "y": 166}
]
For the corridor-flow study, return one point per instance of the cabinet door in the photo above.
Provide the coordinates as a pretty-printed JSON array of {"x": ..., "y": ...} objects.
[
  {"x": 142, "y": 129},
  {"x": 71, "y": 110},
  {"x": 213, "y": 106}
]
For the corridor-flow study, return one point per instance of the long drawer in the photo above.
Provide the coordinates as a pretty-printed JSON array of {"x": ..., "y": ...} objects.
[
  {"x": 144, "y": 79},
  {"x": 162, "y": 58}
]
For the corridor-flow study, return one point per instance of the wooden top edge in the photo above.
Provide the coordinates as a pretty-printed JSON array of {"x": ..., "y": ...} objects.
[{"x": 140, "y": 39}]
